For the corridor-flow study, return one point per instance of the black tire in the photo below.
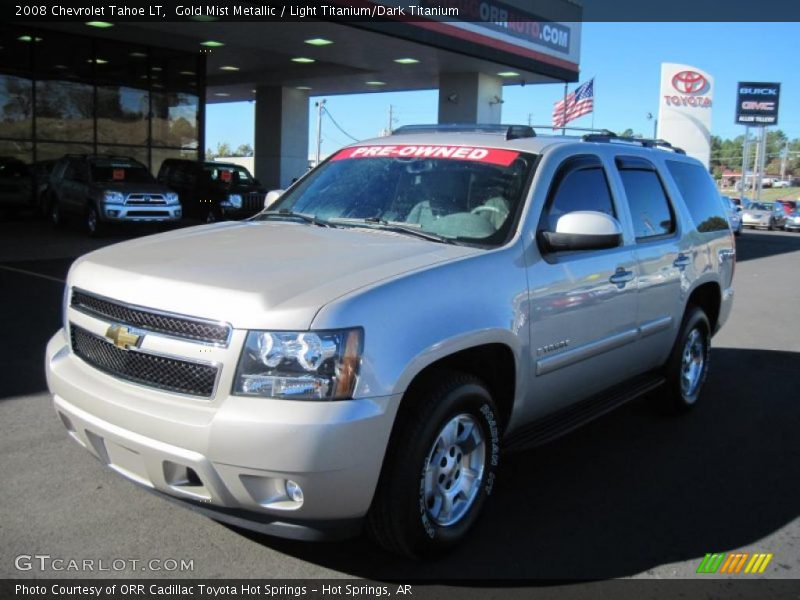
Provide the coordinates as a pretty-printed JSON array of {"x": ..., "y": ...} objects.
[
  {"x": 400, "y": 518},
  {"x": 94, "y": 226},
  {"x": 54, "y": 213},
  {"x": 679, "y": 396},
  {"x": 212, "y": 216}
]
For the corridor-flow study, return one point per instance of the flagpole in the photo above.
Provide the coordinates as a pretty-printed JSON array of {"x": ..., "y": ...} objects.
[
  {"x": 563, "y": 125},
  {"x": 594, "y": 102}
]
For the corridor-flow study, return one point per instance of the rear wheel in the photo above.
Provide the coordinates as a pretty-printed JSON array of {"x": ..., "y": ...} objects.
[
  {"x": 687, "y": 367},
  {"x": 439, "y": 469}
]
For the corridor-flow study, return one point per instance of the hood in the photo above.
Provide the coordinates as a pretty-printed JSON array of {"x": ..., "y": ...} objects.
[
  {"x": 254, "y": 275},
  {"x": 127, "y": 187}
]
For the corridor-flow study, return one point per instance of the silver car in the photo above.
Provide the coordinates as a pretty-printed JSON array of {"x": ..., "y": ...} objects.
[
  {"x": 792, "y": 222},
  {"x": 358, "y": 354},
  {"x": 764, "y": 215},
  {"x": 734, "y": 215}
]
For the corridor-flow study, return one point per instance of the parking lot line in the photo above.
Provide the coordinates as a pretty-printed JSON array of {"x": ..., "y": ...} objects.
[{"x": 31, "y": 273}]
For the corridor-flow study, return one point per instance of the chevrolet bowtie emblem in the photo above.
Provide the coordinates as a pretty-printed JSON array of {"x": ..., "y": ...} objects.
[{"x": 122, "y": 337}]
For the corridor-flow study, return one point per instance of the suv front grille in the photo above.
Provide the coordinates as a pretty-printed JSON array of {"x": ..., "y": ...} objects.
[
  {"x": 145, "y": 199},
  {"x": 161, "y": 372},
  {"x": 189, "y": 328},
  {"x": 253, "y": 202}
]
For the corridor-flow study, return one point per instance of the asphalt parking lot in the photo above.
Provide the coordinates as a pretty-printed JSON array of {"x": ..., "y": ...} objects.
[{"x": 634, "y": 494}]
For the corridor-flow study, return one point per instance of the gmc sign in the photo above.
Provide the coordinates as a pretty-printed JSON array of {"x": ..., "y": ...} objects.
[{"x": 757, "y": 103}]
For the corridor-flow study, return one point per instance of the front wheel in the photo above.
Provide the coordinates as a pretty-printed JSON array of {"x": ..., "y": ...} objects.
[
  {"x": 94, "y": 226},
  {"x": 687, "y": 367},
  {"x": 439, "y": 469}
]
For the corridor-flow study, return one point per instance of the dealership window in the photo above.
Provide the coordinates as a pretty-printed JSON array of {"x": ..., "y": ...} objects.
[
  {"x": 16, "y": 107},
  {"x": 122, "y": 115},
  {"x": 64, "y": 111},
  {"x": 62, "y": 93}
]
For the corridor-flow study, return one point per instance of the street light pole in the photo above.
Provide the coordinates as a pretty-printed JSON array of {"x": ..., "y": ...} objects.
[{"x": 320, "y": 104}]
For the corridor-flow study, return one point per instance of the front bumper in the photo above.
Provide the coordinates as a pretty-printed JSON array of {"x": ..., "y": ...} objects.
[
  {"x": 789, "y": 226},
  {"x": 230, "y": 457},
  {"x": 141, "y": 213}
]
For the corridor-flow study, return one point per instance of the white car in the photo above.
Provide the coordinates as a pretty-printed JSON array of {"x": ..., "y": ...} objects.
[{"x": 780, "y": 184}]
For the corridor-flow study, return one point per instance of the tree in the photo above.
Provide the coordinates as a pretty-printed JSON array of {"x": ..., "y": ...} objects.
[{"x": 223, "y": 149}]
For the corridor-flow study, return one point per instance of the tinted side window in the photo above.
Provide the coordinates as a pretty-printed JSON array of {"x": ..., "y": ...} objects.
[
  {"x": 700, "y": 195},
  {"x": 183, "y": 174},
  {"x": 583, "y": 188},
  {"x": 650, "y": 209}
]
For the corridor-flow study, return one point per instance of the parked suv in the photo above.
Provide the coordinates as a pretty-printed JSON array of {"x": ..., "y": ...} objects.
[
  {"x": 104, "y": 189},
  {"x": 213, "y": 191},
  {"x": 360, "y": 352}
]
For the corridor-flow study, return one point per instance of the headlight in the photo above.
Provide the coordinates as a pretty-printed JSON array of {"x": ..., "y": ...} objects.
[
  {"x": 172, "y": 198},
  {"x": 310, "y": 365},
  {"x": 114, "y": 197},
  {"x": 234, "y": 200}
]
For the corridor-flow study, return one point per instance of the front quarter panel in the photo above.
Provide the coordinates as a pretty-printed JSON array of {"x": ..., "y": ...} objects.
[{"x": 417, "y": 319}]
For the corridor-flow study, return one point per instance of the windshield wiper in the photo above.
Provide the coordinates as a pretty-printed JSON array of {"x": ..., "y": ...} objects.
[
  {"x": 285, "y": 213},
  {"x": 384, "y": 225}
]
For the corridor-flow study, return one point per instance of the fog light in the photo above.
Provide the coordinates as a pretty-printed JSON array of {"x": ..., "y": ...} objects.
[
  {"x": 293, "y": 491},
  {"x": 112, "y": 213}
]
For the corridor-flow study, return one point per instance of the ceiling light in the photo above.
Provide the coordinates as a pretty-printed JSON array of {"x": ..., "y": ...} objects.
[
  {"x": 156, "y": 69},
  {"x": 303, "y": 87},
  {"x": 99, "y": 24},
  {"x": 60, "y": 67},
  {"x": 192, "y": 73},
  {"x": 303, "y": 60},
  {"x": 508, "y": 74},
  {"x": 97, "y": 61},
  {"x": 212, "y": 44},
  {"x": 406, "y": 61},
  {"x": 138, "y": 55},
  {"x": 318, "y": 42},
  {"x": 375, "y": 82},
  {"x": 222, "y": 94},
  {"x": 228, "y": 68},
  {"x": 28, "y": 38}
]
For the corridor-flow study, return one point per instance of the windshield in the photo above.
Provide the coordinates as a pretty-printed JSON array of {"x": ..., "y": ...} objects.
[
  {"x": 227, "y": 174},
  {"x": 460, "y": 193},
  {"x": 120, "y": 171},
  {"x": 761, "y": 206}
]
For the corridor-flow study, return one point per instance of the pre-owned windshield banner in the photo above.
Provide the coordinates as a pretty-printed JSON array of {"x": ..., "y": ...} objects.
[{"x": 493, "y": 156}]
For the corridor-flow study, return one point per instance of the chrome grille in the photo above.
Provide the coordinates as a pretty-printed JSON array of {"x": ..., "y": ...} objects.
[
  {"x": 189, "y": 328},
  {"x": 161, "y": 372},
  {"x": 145, "y": 199}
]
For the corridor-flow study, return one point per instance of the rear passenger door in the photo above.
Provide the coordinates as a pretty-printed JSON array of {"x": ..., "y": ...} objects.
[
  {"x": 582, "y": 303},
  {"x": 662, "y": 253}
]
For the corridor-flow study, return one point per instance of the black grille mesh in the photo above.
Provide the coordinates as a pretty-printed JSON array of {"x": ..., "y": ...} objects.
[
  {"x": 253, "y": 202},
  {"x": 163, "y": 373},
  {"x": 181, "y": 327}
]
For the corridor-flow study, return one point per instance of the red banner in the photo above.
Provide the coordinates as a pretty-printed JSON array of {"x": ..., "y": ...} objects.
[{"x": 492, "y": 156}]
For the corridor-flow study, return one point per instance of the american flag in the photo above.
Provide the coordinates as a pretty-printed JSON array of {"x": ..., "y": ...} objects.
[{"x": 578, "y": 103}]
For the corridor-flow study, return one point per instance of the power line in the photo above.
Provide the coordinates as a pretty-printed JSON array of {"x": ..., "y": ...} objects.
[{"x": 327, "y": 112}]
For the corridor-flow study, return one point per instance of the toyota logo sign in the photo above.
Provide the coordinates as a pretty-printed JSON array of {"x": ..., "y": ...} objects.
[{"x": 689, "y": 82}]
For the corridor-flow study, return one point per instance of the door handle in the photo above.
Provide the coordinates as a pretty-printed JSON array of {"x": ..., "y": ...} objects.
[
  {"x": 621, "y": 277},
  {"x": 682, "y": 261}
]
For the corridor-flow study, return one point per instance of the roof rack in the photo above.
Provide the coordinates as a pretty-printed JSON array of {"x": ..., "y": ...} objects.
[
  {"x": 511, "y": 132},
  {"x": 600, "y": 131},
  {"x": 611, "y": 137}
]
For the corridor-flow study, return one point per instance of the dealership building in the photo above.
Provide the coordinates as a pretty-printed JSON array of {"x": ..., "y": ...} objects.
[{"x": 140, "y": 89}]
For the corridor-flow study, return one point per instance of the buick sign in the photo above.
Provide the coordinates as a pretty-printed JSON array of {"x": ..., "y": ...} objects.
[{"x": 757, "y": 103}]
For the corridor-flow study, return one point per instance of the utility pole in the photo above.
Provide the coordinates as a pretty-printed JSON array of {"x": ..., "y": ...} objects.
[
  {"x": 391, "y": 121},
  {"x": 745, "y": 159},
  {"x": 320, "y": 104},
  {"x": 530, "y": 119},
  {"x": 784, "y": 158}
]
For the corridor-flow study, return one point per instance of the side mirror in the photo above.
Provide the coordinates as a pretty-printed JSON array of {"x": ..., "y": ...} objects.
[
  {"x": 272, "y": 197},
  {"x": 583, "y": 230}
]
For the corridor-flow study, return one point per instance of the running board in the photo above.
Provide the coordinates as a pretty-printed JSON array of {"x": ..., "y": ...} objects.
[{"x": 567, "y": 419}]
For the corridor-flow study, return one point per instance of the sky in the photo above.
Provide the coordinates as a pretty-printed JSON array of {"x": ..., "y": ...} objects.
[{"x": 625, "y": 60}]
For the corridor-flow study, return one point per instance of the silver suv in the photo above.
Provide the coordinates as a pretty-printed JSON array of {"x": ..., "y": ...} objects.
[
  {"x": 103, "y": 189},
  {"x": 362, "y": 350}
]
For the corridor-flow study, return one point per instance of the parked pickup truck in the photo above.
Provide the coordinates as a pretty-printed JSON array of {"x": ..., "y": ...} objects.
[{"x": 359, "y": 354}]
